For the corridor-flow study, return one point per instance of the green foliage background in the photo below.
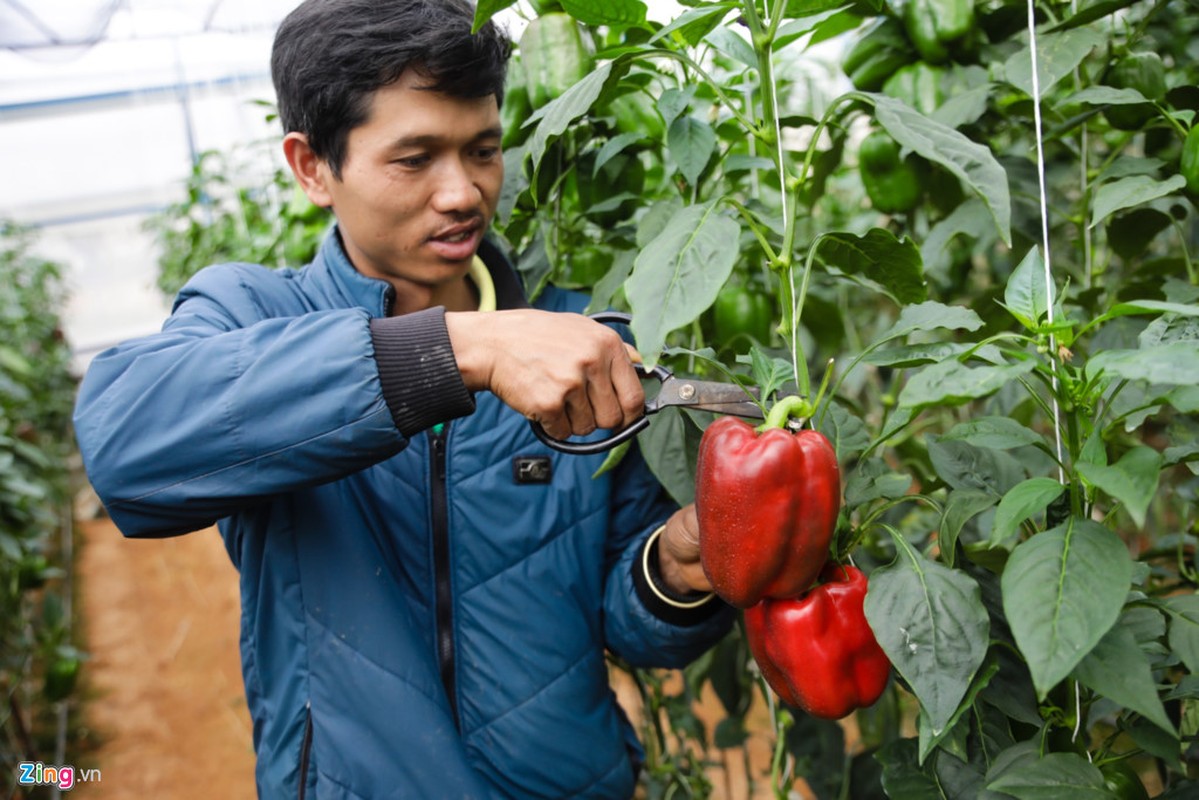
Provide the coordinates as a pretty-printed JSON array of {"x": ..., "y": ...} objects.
[{"x": 38, "y": 662}]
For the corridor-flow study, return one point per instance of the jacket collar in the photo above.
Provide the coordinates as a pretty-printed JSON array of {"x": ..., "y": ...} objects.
[
  {"x": 372, "y": 294},
  {"x": 375, "y": 295}
]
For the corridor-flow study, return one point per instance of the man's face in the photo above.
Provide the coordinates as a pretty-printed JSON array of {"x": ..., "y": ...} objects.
[{"x": 418, "y": 187}]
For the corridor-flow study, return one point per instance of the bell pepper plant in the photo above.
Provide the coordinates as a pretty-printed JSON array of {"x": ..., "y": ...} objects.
[
  {"x": 891, "y": 183},
  {"x": 1144, "y": 72},
  {"x": 1189, "y": 162},
  {"x": 741, "y": 313},
  {"x": 767, "y": 505},
  {"x": 817, "y": 651}
]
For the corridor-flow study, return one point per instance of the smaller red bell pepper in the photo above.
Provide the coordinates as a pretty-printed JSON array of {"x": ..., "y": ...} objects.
[
  {"x": 818, "y": 652},
  {"x": 767, "y": 507}
]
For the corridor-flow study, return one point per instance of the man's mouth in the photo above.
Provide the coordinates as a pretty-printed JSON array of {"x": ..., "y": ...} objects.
[
  {"x": 457, "y": 242},
  {"x": 457, "y": 233}
]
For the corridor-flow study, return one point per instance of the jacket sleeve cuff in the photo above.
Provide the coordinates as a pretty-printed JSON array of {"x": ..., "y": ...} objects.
[
  {"x": 660, "y": 599},
  {"x": 418, "y": 372}
]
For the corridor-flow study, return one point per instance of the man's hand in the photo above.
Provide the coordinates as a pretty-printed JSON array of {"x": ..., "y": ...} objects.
[
  {"x": 678, "y": 554},
  {"x": 565, "y": 371}
]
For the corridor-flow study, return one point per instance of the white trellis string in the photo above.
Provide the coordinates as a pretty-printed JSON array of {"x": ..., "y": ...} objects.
[{"x": 1036, "y": 104}]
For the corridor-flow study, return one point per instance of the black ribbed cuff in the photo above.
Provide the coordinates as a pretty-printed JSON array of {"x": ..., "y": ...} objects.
[
  {"x": 662, "y": 601},
  {"x": 418, "y": 371}
]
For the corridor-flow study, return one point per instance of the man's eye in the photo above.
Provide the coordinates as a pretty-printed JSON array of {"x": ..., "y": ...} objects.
[
  {"x": 487, "y": 153},
  {"x": 412, "y": 162}
]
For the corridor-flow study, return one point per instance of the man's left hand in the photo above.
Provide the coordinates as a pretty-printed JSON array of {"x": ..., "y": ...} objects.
[{"x": 678, "y": 554}]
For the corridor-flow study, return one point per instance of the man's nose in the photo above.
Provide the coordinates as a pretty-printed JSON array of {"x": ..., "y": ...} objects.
[{"x": 457, "y": 188}]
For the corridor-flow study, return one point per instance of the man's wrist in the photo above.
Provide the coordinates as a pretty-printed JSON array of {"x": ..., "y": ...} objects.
[
  {"x": 468, "y": 339},
  {"x": 690, "y": 608}
]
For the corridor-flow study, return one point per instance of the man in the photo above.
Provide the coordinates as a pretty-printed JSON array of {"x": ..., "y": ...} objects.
[{"x": 425, "y": 603}]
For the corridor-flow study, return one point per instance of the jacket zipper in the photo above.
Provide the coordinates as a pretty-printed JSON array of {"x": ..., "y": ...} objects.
[
  {"x": 305, "y": 749},
  {"x": 443, "y": 594}
]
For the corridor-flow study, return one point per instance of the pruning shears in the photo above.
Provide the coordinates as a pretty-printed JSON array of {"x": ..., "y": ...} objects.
[{"x": 723, "y": 398}]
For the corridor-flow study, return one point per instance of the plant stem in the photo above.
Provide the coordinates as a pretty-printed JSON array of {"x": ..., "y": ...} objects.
[{"x": 785, "y": 409}]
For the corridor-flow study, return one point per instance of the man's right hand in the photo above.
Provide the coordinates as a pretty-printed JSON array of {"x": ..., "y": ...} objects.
[{"x": 565, "y": 371}]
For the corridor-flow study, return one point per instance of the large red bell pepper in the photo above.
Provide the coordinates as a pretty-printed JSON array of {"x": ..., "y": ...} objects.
[
  {"x": 817, "y": 651},
  {"x": 767, "y": 507}
]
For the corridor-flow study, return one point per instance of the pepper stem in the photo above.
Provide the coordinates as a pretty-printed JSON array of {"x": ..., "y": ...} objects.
[{"x": 785, "y": 409}]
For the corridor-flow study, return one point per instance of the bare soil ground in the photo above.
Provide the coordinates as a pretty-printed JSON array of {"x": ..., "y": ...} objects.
[{"x": 164, "y": 697}]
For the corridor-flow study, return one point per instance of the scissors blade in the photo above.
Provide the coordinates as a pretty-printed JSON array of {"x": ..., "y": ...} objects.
[{"x": 723, "y": 398}]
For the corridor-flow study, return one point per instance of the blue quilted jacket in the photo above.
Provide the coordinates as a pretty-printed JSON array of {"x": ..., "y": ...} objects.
[{"x": 423, "y": 615}]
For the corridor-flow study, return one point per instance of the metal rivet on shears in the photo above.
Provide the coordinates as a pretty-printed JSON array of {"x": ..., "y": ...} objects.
[{"x": 686, "y": 391}]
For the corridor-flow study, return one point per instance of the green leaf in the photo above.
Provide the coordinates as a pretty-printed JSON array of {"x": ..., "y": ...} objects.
[
  {"x": 1027, "y": 297},
  {"x": 822, "y": 20},
  {"x": 1105, "y": 96},
  {"x": 1151, "y": 307},
  {"x": 894, "y": 264},
  {"x": 1170, "y": 328},
  {"x": 964, "y": 466},
  {"x": 931, "y": 622},
  {"x": 903, "y": 779},
  {"x": 770, "y": 372},
  {"x": 874, "y": 480},
  {"x": 969, "y": 161},
  {"x": 1132, "y": 480},
  {"x": 670, "y": 446},
  {"x": 656, "y": 219},
  {"x": 733, "y": 46},
  {"x": 673, "y": 102},
  {"x": 691, "y": 142},
  {"x": 486, "y": 9},
  {"x": 1118, "y": 670},
  {"x": 1052, "y": 777},
  {"x": 1088, "y": 11},
  {"x": 929, "y": 740},
  {"x": 970, "y": 219},
  {"x": 1062, "y": 591},
  {"x": 617, "y": 14},
  {"x": 1184, "y": 629},
  {"x": 1057, "y": 56},
  {"x": 607, "y": 287},
  {"x": 1025, "y": 499},
  {"x": 1129, "y": 234},
  {"x": 917, "y": 355},
  {"x": 1132, "y": 191},
  {"x": 846, "y": 432},
  {"x": 964, "y": 108},
  {"x": 678, "y": 274},
  {"x": 561, "y": 112},
  {"x": 931, "y": 316},
  {"x": 1175, "y": 364},
  {"x": 612, "y": 147},
  {"x": 615, "y": 456},
  {"x": 695, "y": 23},
  {"x": 999, "y": 433},
  {"x": 807, "y": 8},
  {"x": 961, "y": 507},
  {"x": 954, "y": 383}
]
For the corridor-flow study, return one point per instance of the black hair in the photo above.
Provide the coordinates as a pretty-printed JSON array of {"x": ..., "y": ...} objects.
[{"x": 331, "y": 56}]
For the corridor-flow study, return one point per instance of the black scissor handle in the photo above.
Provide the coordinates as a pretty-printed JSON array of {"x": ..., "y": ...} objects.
[
  {"x": 659, "y": 373},
  {"x": 589, "y": 448}
]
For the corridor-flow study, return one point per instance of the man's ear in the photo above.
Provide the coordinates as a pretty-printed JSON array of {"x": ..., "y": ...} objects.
[{"x": 311, "y": 171}]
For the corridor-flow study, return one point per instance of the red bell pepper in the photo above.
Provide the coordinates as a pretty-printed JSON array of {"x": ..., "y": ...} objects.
[
  {"x": 818, "y": 652},
  {"x": 767, "y": 507}
]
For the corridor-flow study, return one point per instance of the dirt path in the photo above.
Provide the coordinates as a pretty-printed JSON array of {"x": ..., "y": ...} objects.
[{"x": 164, "y": 691}]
